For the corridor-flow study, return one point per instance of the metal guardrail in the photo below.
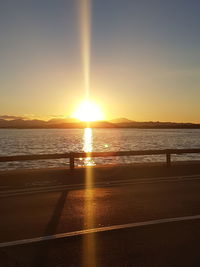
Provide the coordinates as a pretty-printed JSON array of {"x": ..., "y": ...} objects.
[{"x": 73, "y": 155}]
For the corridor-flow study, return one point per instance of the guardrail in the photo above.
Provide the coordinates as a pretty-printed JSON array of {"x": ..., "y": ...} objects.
[{"x": 73, "y": 155}]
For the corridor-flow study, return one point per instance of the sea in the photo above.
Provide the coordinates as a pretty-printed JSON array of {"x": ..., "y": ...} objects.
[{"x": 49, "y": 141}]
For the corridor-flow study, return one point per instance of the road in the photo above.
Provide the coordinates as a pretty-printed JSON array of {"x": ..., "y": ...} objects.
[{"x": 142, "y": 222}]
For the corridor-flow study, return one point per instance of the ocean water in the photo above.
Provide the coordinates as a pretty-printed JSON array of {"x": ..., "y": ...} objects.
[{"x": 47, "y": 141}]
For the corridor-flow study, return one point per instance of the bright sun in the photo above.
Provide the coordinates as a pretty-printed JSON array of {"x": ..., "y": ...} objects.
[{"x": 88, "y": 111}]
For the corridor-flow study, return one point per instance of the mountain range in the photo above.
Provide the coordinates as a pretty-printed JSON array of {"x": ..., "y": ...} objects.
[{"x": 73, "y": 123}]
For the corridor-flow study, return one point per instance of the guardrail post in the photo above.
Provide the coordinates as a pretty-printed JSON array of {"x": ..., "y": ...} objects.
[
  {"x": 168, "y": 158},
  {"x": 71, "y": 160}
]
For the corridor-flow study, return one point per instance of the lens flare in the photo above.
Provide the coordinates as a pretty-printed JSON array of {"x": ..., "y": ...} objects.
[
  {"x": 87, "y": 112},
  {"x": 85, "y": 26}
]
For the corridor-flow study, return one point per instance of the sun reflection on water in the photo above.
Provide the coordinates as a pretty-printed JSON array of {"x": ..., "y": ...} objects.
[{"x": 88, "y": 146}]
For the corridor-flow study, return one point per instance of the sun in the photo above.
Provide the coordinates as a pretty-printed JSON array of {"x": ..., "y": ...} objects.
[{"x": 88, "y": 111}]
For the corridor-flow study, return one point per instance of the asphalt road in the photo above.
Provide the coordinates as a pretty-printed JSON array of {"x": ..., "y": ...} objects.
[
  {"x": 166, "y": 245},
  {"x": 76, "y": 209}
]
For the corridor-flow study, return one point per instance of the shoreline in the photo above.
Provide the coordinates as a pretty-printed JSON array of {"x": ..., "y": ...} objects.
[{"x": 112, "y": 127}]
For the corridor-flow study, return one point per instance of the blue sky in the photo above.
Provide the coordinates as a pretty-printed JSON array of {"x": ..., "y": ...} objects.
[{"x": 145, "y": 58}]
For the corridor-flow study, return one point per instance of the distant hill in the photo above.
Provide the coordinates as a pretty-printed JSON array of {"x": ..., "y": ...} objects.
[
  {"x": 54, "y": 123},
  {"x": 158, "y": 125},
  {"x": 121, "y": 120},
  {"x": 20, "y": 123},
  {"x": 73, "y": 123},
  {"x": 60, "y": 121}
]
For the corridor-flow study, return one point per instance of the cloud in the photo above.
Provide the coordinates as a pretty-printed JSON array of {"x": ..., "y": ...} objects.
[
  {"x": 32, "y": 117},
  {"x": 11, "y": 117}
]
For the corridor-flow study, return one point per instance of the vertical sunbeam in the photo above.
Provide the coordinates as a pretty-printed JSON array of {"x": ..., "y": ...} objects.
[
  {"x": 89, "y": 240},
  {"x": 85, "y": 21},
  {"x": 89, "y": 244}
]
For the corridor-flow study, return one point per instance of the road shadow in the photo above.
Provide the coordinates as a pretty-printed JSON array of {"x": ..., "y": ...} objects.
[{"x": 43, "y": 250}]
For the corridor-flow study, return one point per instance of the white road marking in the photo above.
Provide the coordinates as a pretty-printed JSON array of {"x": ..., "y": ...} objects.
[
  {"x": 97, "y": 230},
  {"x": 27, "y": 191}
]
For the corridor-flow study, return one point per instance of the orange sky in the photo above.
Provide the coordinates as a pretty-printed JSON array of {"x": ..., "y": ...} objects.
[{"x": 135, "y": 60}]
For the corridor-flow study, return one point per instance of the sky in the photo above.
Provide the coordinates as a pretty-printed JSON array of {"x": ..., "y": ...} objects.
[{"x": 144, "y": 58}]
